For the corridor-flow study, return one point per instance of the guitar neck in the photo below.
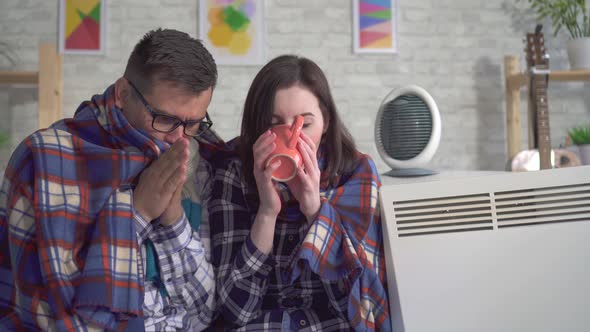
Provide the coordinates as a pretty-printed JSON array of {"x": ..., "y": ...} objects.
[{"x": 542, "y": 137}]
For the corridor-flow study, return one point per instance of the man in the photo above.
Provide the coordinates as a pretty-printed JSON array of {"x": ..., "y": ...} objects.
[{"x": 91, "y": 207}]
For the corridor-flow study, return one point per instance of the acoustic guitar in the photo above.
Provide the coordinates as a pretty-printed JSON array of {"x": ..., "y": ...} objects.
[{"x": 540, "y": 155}]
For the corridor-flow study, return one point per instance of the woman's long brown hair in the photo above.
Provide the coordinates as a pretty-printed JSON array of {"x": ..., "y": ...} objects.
[{"x": 283, "y": 72}]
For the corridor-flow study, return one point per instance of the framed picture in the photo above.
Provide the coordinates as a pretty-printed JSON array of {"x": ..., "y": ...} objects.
[
  {"x": 375, "y": 26},
  {"x": 233, "y": 30},
  {"x": 82, "y": 26}
]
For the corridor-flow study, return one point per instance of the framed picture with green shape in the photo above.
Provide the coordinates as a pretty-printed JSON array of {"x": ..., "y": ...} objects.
[
  {"x": 233, "y": 30},
  {"x": 82, "y": 26},
  {"x": 375, "y": 26}
]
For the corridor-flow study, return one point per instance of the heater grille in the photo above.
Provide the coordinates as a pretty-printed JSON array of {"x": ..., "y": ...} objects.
[
  {"x": 444, "y": 214},
  {"x": 492, "y": 210},
  {"x": 409, "y": 127},
  {"x": 546, "y": 205}
]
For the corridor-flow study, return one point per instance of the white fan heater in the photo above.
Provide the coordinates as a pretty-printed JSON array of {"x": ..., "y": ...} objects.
[
  {"x": 407, "y": 131},
  {"x": 507, "y": 252}
]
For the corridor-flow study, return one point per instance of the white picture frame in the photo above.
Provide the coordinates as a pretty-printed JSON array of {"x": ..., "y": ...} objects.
[
  {"x": 220, "y": 38},
  {"x": 375, "y": 24},
  {"x": 83, "y": 38}
]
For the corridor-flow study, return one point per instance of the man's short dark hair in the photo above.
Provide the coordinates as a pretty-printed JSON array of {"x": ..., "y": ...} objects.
[{"x": 172, "y": 56}]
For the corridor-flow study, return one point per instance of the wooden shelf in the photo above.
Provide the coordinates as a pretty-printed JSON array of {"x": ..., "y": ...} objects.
[
  {"x": 570, "y": 75},
  {"x": 19, "y": 77},
  {"x": 49, "y": 81},
  {"x": 515, "y": 80}
]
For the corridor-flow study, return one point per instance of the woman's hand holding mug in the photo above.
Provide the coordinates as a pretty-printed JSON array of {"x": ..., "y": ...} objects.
[
  {"x": 306, "y": 186},
  {"x": 270, "y": 202}
]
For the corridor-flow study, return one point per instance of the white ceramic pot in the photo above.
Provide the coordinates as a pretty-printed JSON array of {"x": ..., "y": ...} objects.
[
  {"x": 578, "y": 51},
  {"x": 584, "y": 154}
]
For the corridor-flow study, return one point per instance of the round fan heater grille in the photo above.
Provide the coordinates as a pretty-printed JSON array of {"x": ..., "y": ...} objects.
[{"x": 406, "y": 126}]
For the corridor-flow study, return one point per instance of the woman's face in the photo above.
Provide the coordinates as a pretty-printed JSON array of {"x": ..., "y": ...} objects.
[{"x": 297, "y": 100}]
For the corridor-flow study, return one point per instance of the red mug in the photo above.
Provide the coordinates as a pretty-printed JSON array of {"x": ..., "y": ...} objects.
[{"x": 286, "y": 150}]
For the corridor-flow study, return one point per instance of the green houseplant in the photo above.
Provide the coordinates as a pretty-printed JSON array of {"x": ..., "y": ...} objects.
[
  {"x": 6, "y": 55},
  {"x": 4, "y": 138},
  {"x": 574, "y": 17},
  {"x": 581, "y": 137}
]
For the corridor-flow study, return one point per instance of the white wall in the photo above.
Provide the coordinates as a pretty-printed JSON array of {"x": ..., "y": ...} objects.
[{"x": 453, "y": 48}]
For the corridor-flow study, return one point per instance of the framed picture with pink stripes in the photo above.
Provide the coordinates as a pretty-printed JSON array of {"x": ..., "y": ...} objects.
[{"x": 375, "y": 26}]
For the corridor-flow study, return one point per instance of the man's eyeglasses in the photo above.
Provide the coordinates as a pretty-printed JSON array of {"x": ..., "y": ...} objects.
[{"x": 167, "y": 123}]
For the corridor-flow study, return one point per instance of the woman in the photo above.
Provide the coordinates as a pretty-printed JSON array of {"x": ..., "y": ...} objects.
[{"x": 307, "y": 254}]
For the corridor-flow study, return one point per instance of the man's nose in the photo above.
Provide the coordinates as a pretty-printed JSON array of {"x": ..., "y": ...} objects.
[{"x": 175, "y": 135}]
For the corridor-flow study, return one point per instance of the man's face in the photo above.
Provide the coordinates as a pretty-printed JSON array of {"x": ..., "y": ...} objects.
[{"x": 164, "y": 98}]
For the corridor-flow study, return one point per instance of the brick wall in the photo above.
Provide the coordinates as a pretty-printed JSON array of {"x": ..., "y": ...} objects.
[{"x": 453, "y": 48}]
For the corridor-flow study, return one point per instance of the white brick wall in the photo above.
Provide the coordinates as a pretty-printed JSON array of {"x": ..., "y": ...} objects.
[{"x": 453, "y": 48}]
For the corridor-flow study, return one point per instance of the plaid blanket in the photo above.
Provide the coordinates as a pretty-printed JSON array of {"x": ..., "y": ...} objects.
[{"x": 68, "y": 247}]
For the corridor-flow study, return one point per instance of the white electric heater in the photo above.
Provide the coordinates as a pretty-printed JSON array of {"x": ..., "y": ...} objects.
[{"x": 506, "y": 252}]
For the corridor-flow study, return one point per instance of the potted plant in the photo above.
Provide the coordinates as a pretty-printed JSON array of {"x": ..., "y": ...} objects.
[
  {"x": 573, "y": 16},
  {"x": 581, "y": 137},
  {"x": 3, "y": 139},
  {"x": 5, "y": 53}
]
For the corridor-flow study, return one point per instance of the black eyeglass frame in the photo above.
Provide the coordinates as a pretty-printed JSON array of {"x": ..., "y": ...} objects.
[{"x": 207, "y": 123}]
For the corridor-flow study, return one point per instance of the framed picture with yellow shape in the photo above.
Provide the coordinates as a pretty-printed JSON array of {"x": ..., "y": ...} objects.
[
  {"x": 82, "y": 26},
  {"x": 233, "y": 30}
]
